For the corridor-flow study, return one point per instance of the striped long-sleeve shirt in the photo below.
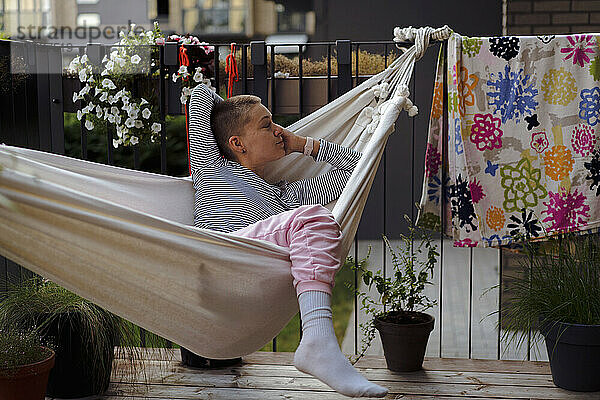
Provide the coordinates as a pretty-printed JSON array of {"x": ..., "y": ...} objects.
[{"x": 230, "y": 196}]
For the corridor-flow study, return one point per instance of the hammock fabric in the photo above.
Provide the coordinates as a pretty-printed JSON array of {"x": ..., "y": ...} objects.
[
  {"x": 125, "y": 239},
  {"x": 523, "y": 146}
]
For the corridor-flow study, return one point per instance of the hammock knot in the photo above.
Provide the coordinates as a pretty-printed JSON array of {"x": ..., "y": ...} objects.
[{"x": 421, "y": 37}]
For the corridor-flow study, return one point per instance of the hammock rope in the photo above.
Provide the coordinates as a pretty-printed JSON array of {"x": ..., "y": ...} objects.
[{"x": 125, "y": 239}]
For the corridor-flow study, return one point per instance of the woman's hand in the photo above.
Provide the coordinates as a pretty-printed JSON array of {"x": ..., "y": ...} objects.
[{"x": 292, "y": 142}]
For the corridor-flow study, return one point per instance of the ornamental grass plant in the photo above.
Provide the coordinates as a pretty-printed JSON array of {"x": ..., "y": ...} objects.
[
  {"x": 558, "y": 282},
  {"x": 40, "y": 303}
]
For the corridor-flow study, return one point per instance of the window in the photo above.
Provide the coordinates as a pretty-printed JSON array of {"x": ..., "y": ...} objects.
[
  {"x": 216, "y": 16},
  {"x": 87, "y": 1},
  {"x": 88, "y": 19}
]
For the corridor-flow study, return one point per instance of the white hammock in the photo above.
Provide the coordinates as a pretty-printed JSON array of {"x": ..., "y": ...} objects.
[{"x": 125, "y": 239}]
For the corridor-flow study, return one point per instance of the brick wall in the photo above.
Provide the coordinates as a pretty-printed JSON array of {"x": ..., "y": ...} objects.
[{"x": 535, "y": 17}]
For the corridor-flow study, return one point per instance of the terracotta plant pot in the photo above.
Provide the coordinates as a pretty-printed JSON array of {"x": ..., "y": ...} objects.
[
  {"x": 27, "y": 382},
  {"x": 574, "y": 353},
  {"x": 404, "y": 344}
]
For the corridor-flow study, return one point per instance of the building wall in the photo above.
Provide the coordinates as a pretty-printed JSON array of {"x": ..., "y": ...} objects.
[{"x": 535, "y": 17}]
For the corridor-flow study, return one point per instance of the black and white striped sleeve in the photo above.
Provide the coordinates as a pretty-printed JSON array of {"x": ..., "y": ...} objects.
[
  {"x": 325, "y": 188},
  {"x": 203, "y": 146}
]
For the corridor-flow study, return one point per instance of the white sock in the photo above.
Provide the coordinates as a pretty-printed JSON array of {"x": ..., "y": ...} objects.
[{"x": 319, "y": 353}]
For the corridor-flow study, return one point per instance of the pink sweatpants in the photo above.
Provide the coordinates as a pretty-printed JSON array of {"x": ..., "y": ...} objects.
[{"x": 313, "y": 237}]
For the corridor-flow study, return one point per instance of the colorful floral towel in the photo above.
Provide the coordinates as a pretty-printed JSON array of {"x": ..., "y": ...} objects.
[{"x": 523, "y": 146}]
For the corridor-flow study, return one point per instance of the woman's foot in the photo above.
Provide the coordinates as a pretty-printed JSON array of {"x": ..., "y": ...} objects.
[{"x": 319, "y": 353}]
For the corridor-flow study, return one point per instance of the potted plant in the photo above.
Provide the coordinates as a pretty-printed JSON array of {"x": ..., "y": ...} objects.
[
  {"x": 24, "y": 364},
  {"x": 398, "y": 311},
  {"x": 558, "y": 293},
  {"x": 85, "y": 335}
]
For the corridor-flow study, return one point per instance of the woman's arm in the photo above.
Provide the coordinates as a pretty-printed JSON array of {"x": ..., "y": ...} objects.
[
  {"x": 203, "y": 146},
  {"x": 324, "y": 188}
]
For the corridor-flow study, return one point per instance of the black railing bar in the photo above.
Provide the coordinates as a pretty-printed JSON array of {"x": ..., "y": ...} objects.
[
  {"x": 384, "y": 215},
  {"x": 443, "y": 187},
  {"x": 244, "y": 69},
  {"x": 355, "y": 293},
  {"x": 162, "y": 108},
  {"x": 385, "y": 55},
  {"x": 470, "y": 299},
  {"x": 357, "y": 66},
  {"x": 109, "y": 144},
  {"x": 273, "y": 97},
  {"x": 83, "y": 132},
  {"x": 300, "y": 86},
  {"x": 328, "y": 73},
  {"x": 136, "y": 148},
  {"x": 216, "y": 60}
]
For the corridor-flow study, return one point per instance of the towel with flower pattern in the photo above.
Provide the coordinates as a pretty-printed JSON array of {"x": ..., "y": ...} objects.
[{"x": 522, "y": 156}]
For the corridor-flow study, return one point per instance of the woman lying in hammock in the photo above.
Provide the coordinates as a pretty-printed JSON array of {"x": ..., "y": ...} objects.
[{"x": 231, "y": 144}]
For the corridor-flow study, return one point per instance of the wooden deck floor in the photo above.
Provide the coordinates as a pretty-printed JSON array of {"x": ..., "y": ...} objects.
[{"x": 265, "y": 375}]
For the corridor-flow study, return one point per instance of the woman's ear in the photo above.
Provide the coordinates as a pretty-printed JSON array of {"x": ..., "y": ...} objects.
[{"x": 236, "y": 145}]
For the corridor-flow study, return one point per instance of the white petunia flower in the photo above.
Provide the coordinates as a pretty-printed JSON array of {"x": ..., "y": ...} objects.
[
  {"x": 107, "y": 83},
  {"x": 114, "y": 110},
  {"x": 105, "y": 59},
  {"x": 183, "y": 99},
  {"x": 146, "y": 113},
  {"x": 89, "y": 125},
  {"x": 82, "y": 75},
  {"x": 144, "y": 101},
  {"x": 120, "y": 61},
  {"x": 114, "y": 54},
  {"x": 104, "y": 96},
  {"x": 75, "y": 97},
  {"x": 112, "y": 99},
  {"x": 79, "y": 115},
  {"x": 97, "y": 90},
  {"x": 198, "y": 76},
  {"x": 136, "y": 59},
  {"x": 75, "y": 61},
  {"x": 126, "y": 107},
  {"x": 156, "y": 127},
  {"x": 129, "y": 122},
  {"x": 84, "y": 90},
  {"x": 174, "y": 77},
  {"x": 111, "y": 118},
  {"x": 84, "y": 59},
  {"x": 133, "y": 113},
  {"x": 183, "y": 70},
  {"x": 110, "y": 65},
  {"x": 133, "y": 140},
  {"x": 138, "y": 123},
  {"x": 117, "y": 142}
]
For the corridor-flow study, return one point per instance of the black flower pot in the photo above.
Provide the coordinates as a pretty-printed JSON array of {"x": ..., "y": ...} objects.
[
  {"x": 72, "y": 375},
  {"x": 574, "y": 353},
  {"x": 193, "y": 360},
  {"x": 404, "y": 344}
]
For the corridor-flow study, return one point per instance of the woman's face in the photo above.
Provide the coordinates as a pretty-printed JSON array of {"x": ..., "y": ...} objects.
[{"x": 262, "y": 138}]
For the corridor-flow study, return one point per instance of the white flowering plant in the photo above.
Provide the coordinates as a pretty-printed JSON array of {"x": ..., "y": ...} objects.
[
  {"x": 108, "y": 89},
  {"x": 203, "y": 54}
]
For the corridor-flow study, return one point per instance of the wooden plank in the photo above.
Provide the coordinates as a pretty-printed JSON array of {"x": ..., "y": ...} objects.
[
  {"x": 430, "y": 363},
  {"x": 257, "y": 394},
  {"x": 163, "y": 372},
  {"x": 290, "y": 385}
]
